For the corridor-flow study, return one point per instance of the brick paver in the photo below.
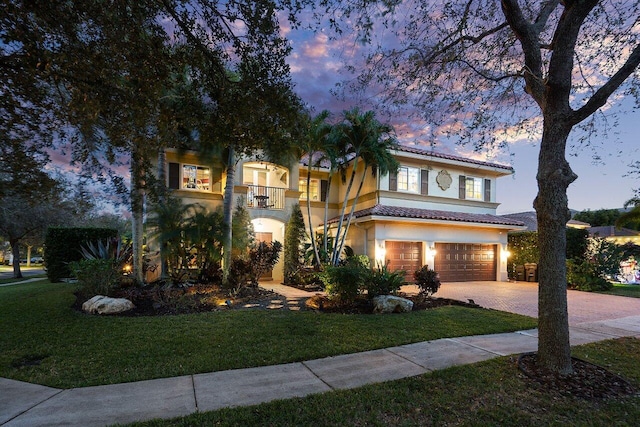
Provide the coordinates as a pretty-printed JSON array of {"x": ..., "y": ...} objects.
[{"x": 522, "y": 298}]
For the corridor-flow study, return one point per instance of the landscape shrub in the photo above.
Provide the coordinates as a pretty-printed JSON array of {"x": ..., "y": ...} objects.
[
  {"x": 246, "y": 271},
  {"x": 581, "y": 276},
  {"x": 577, "y": 242},
  {"x": 98, "y": 276},
  {"x": 345, "y": 282},
  {"x": 263, "y": 257},
  {"x": 63, "y": 246},
  {"x": 294, "y": 235},
  {"x": 240, "y": 273},
  {"x": 427, "y": 280},
  {"x": 382, "y": 281}
]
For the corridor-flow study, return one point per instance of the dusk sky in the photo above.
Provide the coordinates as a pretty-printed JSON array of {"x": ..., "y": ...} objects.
[{"x": 319, "y": 62}]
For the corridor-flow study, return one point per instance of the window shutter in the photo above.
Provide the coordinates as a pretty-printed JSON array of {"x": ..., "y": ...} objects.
[
  {"x": 324, "y": 185},
  {"x": 487, "y": 190},
  {"x": 393, "y": 181},
  {"x": 463, "y": 187},
  {"x": 174, "y": 176},
  {"x": 424, "y": 182}
]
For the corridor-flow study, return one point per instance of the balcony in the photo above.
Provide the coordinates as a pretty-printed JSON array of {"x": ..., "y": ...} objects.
[{"x": 261, "y": 197}]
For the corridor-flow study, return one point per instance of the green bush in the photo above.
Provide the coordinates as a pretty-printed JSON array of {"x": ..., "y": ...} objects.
[
  {"x": 382, "y": 281},
  {"x": 95, "y": 276},
  {"x": 582, "y": 276},
  {"x": 240, "y": 273},
  {"x": 427, "y": 280},
  {"x": 294, "y": 235},
  {"x": 63, "y": 245},
  {"x": 346, "y": 281}
]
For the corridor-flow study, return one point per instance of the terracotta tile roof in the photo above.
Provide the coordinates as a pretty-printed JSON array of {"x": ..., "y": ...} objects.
[
  {"x": 402, "y": 212},
  {"x": 425, "y": 152},
  {"x": 431, "y": 153}
]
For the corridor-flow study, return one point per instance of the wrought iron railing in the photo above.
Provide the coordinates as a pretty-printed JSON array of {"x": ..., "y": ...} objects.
[{"x": 261, "y": 197}]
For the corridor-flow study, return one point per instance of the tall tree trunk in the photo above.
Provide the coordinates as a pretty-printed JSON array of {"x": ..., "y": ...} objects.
[
  {"x": 325, "y": 236},
  {"x": 335, "y": 256},
  {"x": 314, "y": 244},
  {"x": 15, "y": 250},
  {"x": 552, "y": 208},
  {"x": 340, "y": 245},
  {"x": 162, "y": 200},
  {"x": 227, "y": 214},
  {"x": 137, "y": 210}
]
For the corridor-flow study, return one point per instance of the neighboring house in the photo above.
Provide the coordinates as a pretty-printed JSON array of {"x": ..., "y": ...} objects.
[
  {"x": 619, "y": 236},
  {"x": 531, "y": 221},
  {"x": 438, "y": 210}
]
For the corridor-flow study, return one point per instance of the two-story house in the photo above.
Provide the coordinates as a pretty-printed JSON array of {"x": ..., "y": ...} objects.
[{"x": 438, "y": 210}]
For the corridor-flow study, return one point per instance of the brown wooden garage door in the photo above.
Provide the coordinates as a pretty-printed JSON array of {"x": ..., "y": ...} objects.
[
  {"x": 464, "y": 262},
  {"x": 405, "y": 256}
]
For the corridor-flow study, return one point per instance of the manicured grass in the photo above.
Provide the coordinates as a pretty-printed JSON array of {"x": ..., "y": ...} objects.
[
  {"x": 43, "y": 340},
  {"x": 624, "y": 290},
  {"x": 491, "y": 393}
]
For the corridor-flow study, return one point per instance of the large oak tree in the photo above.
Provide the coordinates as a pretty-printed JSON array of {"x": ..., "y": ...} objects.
[{"x": 487, "y": 72}]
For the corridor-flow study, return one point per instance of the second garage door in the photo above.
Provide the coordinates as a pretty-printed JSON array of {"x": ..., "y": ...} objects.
[
  {"x": 463, "y": 262},
  {"x": 405, "y": 256}
]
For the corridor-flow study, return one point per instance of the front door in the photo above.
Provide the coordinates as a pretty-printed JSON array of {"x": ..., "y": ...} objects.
[{"x": 267, "y": 238}]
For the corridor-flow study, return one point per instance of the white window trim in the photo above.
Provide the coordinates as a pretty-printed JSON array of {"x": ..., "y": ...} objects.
[
  {"x": 198, "y": 187},
  {"x": 479, "y": 195},
  {"x": 417, "y": 183},
  {"x": 303, "y": 189}
]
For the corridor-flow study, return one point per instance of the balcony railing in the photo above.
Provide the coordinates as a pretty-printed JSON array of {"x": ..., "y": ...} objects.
[{"x": 261, "y": 197}]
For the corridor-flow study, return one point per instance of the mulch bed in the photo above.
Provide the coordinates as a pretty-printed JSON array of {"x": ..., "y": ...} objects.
[
  {"x": 158, "y": 300},
  {"x": 364, "y": 305},
  {"x": 588, "y": 381}
]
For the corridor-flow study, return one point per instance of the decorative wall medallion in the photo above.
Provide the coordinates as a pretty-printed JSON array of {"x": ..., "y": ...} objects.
[{"x": 444, "y": 180}]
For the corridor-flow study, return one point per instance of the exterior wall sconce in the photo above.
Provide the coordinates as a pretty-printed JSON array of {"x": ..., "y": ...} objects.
[
  {"x": 431, "y": 252},
  {"x": 381, "y": 254}
]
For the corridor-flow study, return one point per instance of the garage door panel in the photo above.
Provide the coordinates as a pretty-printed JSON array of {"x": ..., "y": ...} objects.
[
  {"x": 406, "y": 256},
  {"x": 458, "y": 262}
]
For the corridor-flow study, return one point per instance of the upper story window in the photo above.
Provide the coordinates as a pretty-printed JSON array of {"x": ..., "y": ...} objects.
[
  {"x": 314, "y": 189},
  {"x": 409, "y": 179},
  {"x": 472, "y": 188},
  {"x": 317, "y": 189},
  {"x": 196, "y": 177},
  {"x": 189, "y": 177}
]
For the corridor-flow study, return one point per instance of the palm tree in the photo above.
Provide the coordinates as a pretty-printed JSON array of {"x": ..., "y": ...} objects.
[
  {"x": 315, "y": 142},
  {"x": 166, "y": 220},
  {"x": 368, "y": 140}
]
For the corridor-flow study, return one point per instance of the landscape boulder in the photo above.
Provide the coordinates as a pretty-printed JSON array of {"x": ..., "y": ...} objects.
[
  {"x": 106, "y": 305},
  {"x": 391, "y": 304}
]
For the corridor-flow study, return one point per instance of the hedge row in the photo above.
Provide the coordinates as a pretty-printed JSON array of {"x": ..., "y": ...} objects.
[{"x": 62, "y": 246}]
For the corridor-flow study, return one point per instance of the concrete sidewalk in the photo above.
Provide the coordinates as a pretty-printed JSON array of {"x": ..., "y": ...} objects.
[
  {"x": 24, "y": 404},
  {"x": 35, "y": 279}
]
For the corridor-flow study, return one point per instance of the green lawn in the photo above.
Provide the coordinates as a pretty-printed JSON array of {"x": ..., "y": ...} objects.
[
  {"x": 42, "y": 340},
  {"x": 491, "y": 393},
  {"x": 624, "y": 290}
]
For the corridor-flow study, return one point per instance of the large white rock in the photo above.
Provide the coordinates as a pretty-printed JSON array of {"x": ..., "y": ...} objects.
[
  {"x": 391, "y": 304},
  {"x": 106, "y": 305}
]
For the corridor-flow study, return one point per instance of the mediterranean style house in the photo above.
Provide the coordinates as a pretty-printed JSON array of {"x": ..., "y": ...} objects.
[{"x": 438, "y": 210}]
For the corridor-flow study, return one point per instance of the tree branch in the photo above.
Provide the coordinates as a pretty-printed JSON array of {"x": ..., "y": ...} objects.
[
  {"x": 215, "y": 62},
  {"x": 528, "y": 34},
  {"x": 602, "y": 95}
]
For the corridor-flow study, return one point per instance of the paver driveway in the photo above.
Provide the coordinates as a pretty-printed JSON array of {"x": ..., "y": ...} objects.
[{"x": 522, "y": 298}]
